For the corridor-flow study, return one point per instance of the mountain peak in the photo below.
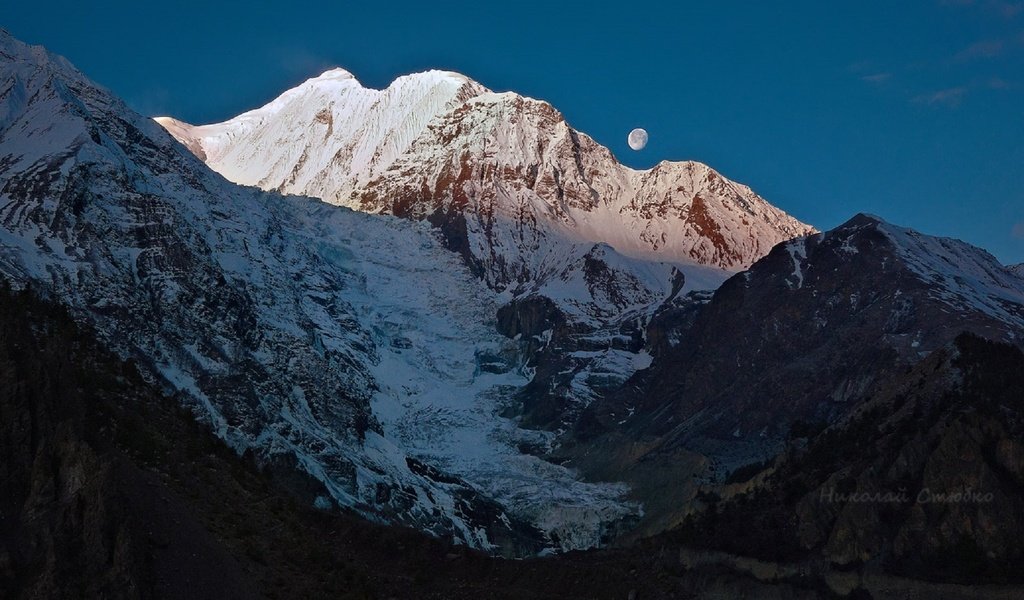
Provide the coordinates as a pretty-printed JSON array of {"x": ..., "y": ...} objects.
[
  {"x": 964, "y": 277},
  {"x": 14, "y": 50},
  {"x": 10, "y": 44},
  {"x": 334, "y": 74},
  {"x": 438, "y": 141},
  {"x": 428, "y": 77},
  {"x": 310, "y": 311},
  {"x": 433, "y": 75},
  {"x": 861, "y": 219}
]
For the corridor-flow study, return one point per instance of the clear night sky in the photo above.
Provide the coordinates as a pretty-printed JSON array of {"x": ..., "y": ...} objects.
[{"x": 912, "y": 110}]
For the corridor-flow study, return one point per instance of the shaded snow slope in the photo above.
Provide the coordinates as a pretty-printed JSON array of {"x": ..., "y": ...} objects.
[
  {"x": 964, "y": 277},
  {"x": 355, "y": 347}
]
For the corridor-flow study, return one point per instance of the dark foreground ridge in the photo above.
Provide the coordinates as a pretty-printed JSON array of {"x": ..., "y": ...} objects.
[
  {"x": 925, "y": 480},
  {"x": 112, "y": 490}
]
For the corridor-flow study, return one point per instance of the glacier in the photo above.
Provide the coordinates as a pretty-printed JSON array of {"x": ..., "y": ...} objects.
[{"x": 354, "y": 347}]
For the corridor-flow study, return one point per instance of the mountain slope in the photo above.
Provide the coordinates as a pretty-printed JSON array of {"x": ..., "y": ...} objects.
[
  {"x": 334, "y": 342},
  {"x": 799, "y": 340},
  {"x": 112, "y": 490},
  {"x": 351, "y": 134},
  {"x": 538, "y": 210},
  {"x": 807, "y": 329},
  {"x": 512, "y": 186},
  {"x": 925, "y": 480}
]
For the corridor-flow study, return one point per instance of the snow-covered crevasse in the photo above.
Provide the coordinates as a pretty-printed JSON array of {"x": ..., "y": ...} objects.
[{"x": 353, "y": 346}]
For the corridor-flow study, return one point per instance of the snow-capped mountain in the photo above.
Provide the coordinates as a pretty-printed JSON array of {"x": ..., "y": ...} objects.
[
  {"x": 535, "y": 208},
  {"x": 359, "y": 349},
  {"x": 803, "y": 338},
  {"x": 512, "y": 185},
  {"x": 326, "y": 137},
  {"x": 809, "y": 328},
  {"x": 353, "y": 347}
]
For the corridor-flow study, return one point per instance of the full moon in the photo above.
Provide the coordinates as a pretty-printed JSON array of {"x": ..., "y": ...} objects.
[{"x": 637, "y": 139}]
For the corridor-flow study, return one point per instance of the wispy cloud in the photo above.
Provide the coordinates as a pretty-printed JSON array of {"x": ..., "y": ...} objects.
[
  {"x": 1018, "y": 230},
  {"x": 952, "y": 97},
  {"x": 949, "y": 97},
  {"x": 301, "y": 62},
  {"x": 1009, "y": 9},
  {"x": 1004, "y": 8},
  {"x": 869, "y": 73},
  {"x": 876, "y": 78},
  {"x": 948, "y": 82},
  {"x": 152, "y": 100},
  {"x": 981, "y": 49}
]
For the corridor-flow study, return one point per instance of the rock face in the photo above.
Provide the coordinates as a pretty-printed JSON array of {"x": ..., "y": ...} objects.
[
  {"x": 534, "y": 207},
  {"x": 924, "y": 480},
  {"x": 78, "y": 516},
  {"x": 808, "y": 329},
  {"x": 529, "y": 184},
  {"x": 112, "y": 490},
  {"x": 358, "y": 350},
  {"x": 800, "y": 340},
  {"x": 341, "y": 343},
  {"x": 437, "y": 142}
]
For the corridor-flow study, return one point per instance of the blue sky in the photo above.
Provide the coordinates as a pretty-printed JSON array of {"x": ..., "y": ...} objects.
[{"x": 911, "y": 110}]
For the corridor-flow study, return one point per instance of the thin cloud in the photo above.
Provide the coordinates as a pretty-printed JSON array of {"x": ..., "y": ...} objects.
[
  {"x": 861, "y": 66},
  {"x": 949, "y": 97},
  {"x": 152, "y": 101},
  {"x": 1009, "y": 10},
  {"x": 300, "y": 62},
  {"x": 953, "y": 97},
  {"x": 1018, "y": 230},
  {"x": 876, "y": 78},
  {"x": 1003, "y": 8},
  {"x": 869, "y": 73},
  {"x": 980, "y": 50}
]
